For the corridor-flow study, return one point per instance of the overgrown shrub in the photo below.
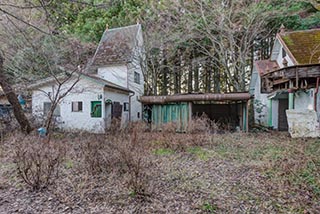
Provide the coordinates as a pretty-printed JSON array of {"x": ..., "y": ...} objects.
[
  {"x": 95, "y": 155},
  {"x": 130, "y": 152},
  {"x": 202, "y": 125},
  {"x": 123, "y": 152},
  {"x": 38, "y": 161}
]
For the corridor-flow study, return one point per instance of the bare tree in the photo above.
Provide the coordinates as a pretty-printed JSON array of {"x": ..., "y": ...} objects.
[{"x": 13, "y": 100}]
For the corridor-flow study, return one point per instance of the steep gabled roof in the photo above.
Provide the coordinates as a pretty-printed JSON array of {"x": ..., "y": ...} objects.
[
  {"x": 303, "y": 46},
  {"x": 116, "y": 46},
  {"x": 264, "y": 66}
]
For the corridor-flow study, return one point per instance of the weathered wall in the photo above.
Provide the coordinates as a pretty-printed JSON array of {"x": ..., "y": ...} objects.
[
  {"x": 136, "y": 66},
  {"x": 303, "y": 123},
  {"x": 85, "y": 91},
  {"x": 260, "y": 104},
  {"x": 304, "y": 100},
  {"x": 116, "y": 74},
  {"x": 277, "y": 54}
]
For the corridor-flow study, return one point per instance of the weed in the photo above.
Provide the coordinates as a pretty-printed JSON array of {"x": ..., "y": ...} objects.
[
  {"x": 163, "y": 151},
  {"x": 68, "y": 164},
  {"x": 199, "y": 152},
  {"x": 209, "y": 208}
]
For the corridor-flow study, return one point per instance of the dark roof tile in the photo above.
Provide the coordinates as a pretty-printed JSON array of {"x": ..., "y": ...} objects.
[{"x": 116, "y": 46}]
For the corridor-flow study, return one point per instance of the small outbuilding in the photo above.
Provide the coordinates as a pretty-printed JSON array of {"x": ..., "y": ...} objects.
[{"x": 229, "y": 110}]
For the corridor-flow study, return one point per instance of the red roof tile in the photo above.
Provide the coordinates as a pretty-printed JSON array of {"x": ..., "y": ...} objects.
[{"x": 263, "y": 66}]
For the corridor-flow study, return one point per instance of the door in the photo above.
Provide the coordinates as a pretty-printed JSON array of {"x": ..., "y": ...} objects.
[
  {"x": 116, "y": 110},
  {"x": 282, "y": 117}
]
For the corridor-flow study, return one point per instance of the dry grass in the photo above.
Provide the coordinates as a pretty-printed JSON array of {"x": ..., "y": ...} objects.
[{"x": 136, "y": 171}]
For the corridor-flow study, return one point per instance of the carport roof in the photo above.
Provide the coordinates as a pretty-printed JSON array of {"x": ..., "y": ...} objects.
[{"x": 242, "y": 96}]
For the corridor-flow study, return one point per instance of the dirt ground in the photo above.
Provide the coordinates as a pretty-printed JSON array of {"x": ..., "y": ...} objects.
[{"x": 170, "y": 173}]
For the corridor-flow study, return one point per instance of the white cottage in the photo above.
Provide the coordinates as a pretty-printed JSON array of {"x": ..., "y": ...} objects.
[
  {"x": 286, "y": 87},
  {"x": 110, "y": 87}
]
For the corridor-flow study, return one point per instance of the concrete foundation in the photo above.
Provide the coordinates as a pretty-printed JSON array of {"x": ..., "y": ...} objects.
[{"x": 303, "y": 123}]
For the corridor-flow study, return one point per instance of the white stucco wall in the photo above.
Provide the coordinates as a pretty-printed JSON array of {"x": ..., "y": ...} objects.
[
  {"x": 280, "y": 59},
  {"x": 116, "y": 74},
  {"x": 277, "y": 54},
  {"x": 85, "y": 91},
  {"x": 304, "y": 100},
  {"x": 260, "y": 104},
  {"x": 136, "y": 66}
]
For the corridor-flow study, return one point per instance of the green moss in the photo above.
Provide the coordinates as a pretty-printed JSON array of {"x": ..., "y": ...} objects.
[
  {"x": 163, "y": 151},
  {"x": 287, "y": 40},
  {"x": 199, "y": 152},
  {"x": 304, "y": 45}
]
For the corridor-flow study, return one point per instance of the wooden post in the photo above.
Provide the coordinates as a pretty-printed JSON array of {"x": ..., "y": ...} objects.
[
  {"x": 247, "y": 115},
  {"x": 291, "y": 95},
  {"x": 270, "y": 113},
  {"x": 244, "y": 117}
]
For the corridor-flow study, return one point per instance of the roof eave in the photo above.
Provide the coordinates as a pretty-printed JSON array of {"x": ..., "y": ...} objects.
[{"x": 287, "y": 49}]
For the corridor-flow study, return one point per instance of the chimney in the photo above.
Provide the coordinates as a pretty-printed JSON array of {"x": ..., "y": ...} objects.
[
  {"x": 282, "y": 29},
  {"x": 138, "y": 21},
  {"x": 284, "y": 62},
  {"x": 107, "y": 26}
]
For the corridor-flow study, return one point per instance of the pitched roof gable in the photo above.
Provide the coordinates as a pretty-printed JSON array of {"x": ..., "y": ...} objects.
[
  {"x": 116, "y": 46},
  {"x": 98, "y": 80},
  {"x": 303, "y": 46}
]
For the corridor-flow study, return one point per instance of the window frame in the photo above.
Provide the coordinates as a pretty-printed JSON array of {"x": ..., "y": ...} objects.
[
  {"x": 126, "y": 106},
  {"x": 56, "y": 112},
  {"x": 78, "y": 106},
  {"x": 137, "y": 77},
  {"x": 284, "y": 53}
]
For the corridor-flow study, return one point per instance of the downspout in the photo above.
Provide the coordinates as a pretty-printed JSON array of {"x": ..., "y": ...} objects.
[
  {"x": 316, "y": 94},
  {"x": 130, "y": 104}
]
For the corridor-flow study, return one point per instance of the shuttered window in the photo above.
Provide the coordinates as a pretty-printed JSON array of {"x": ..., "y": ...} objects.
[
  {"x": 96, "y": 109},
  {"x": 76, "y": 106}
]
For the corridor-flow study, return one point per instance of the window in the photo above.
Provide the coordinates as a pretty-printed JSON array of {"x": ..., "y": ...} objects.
[
  {"x": 138, "y": 115},
  {"x": 96, "y": 109},
  {"x": 137, "y": 77},
  {"x": 76, "y": 106},
  {"x": 125, "y": 106},
  {"x": 284, "y": 53},
  {"x": 46, "y": 109}
]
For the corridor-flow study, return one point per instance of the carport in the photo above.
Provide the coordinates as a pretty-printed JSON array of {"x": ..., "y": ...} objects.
[{"x": 229, "y": 109}]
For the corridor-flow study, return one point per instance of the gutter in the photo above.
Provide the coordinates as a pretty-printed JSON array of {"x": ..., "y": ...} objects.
[{"x": 194, "y": 97}]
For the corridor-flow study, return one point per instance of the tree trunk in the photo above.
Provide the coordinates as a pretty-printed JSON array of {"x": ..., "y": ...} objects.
[
  {"x": 196, "y": 78},
  {"x": 13, "y": 100},
  {"x": 190, "y": 78}
]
